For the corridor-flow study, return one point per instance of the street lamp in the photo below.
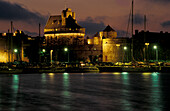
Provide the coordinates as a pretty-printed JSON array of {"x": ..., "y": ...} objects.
[
  {"x": 125, "y": 48},
  {"x": 66, "y": 50},
  {"x": 156, "y": 48},
  {"x": 51, "y": 56},
  {"x": 117, "y": 51},
  {"x": 15, "y": 50},
  {"x": 146, "y": 44},
  {"x": 43, "y": 50}
]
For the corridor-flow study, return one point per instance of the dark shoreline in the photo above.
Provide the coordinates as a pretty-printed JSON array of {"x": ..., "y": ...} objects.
[{"x": 84, "y": 70}]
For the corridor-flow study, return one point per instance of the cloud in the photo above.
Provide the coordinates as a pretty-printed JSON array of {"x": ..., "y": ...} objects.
[
  {"x": 122, "y": 33},
  {"x": 165, "y": 24},
  {"x": 31, "y": 33},
  {"x": 13, "y": 11},
  {"x": 92, "y": 26},
  {"x": 138, "y": 19},
  {"x": 161, "y": 1}
]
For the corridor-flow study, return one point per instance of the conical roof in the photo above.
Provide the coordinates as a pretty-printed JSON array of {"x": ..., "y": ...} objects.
[{"x": 108, "y": 29}]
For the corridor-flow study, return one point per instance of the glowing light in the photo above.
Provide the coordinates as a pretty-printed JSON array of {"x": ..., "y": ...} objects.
[
  {"x": 64, "y": 34},
  {"x": 125, "y": 73},
  {"x": 51, "y": 74},
  {"x": 15, "y": 50},
  {"x": 155, "y": 73},
  {"x": 43, "y": 50},
  {"x": 125, "y": 48},
  {"x": 116, "y": 73},
  {"x": 82, "y": 64},
  {"x": 65, "y": 49},
  {"x": 14, "y": 34},
  {"x": 65, "y": 73},
  {"x": 118, "y": 45},
  {"x": 155, "y": 47},
  {"x": 147, "y": 44},
  {"x": 4, "y": 34},
  {"x": 146, "y": 73}
]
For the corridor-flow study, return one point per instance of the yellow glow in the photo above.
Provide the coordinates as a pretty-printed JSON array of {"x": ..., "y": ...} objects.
[
  {"x": 89, "y": 41},
  {"x": 65, "y": 34},
  {"x": 116, "y": 73},
  {"x": 14, "y": 34},
  {"x": 49, "y": 30},
  {"x": 51, "y": 74},
  {"x": 118, "y": 45},
  {"x": 146, "y": 73},
  {"x": 82, "y": 64},
  {"x": 29, "y": 38},
  {"x": 3, "y": 57},
  {"x": 4, "y": 34},
  {"x": 146, "y": 43}
]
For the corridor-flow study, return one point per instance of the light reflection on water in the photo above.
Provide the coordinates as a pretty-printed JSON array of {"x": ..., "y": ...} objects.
[
  {"x": 15, "y": 86},
  {"x": 84, "y": 92}
]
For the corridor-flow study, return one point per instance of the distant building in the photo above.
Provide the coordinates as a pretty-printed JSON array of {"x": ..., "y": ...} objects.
[
  {"x": 12, "y": 47},
  {"x": 144, "y": 43}
]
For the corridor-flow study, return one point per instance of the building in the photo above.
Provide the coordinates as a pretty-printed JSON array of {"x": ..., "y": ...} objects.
[
  {"x": 12, "y": 47},
  {"x": 63, "y": 29},
  {"x": 144, "y": 43},
  {"x": 110, "y": 47}
]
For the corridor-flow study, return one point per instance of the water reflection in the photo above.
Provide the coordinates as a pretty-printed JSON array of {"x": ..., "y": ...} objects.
[
  {"x": 126, "y": 106},
  {"x": 156, "y": 100},
  {"x": 65, "y": 92},
  {"x": 146, "y": 76},
  {"x": 15, "y": 86},
  {"x": 43, "y": 81},
  {"x": 51, "y": 77}
]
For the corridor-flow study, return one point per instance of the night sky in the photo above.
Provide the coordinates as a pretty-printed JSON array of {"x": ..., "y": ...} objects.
[{"x": 94, "y": 15}]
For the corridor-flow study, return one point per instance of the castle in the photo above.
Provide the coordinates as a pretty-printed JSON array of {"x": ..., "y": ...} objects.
[{"x": 64, "y": 31}]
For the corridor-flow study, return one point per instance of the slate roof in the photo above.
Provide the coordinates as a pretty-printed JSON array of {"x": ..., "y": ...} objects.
[{"x": 55, "y": 22}]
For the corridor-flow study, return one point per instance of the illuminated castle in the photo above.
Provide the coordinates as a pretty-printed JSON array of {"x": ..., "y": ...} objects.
[
  {"x": 111, "y": 47},
  {"x": 64, "y": 29}
]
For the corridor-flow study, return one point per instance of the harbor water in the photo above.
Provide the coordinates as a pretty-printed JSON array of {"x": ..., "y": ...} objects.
[{"x": 117, "y": 91}]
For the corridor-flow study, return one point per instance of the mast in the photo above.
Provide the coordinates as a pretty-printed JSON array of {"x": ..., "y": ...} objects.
[
  {"x": 12, "y": 42},
  {"x": 132, "y": 34},
  {"x": 39, "y": 29}
]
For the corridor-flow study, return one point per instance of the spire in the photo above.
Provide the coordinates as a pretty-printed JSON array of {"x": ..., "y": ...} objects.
[
  {"x": 65, "y": 4},
  {"x": 108, "y": 29}
]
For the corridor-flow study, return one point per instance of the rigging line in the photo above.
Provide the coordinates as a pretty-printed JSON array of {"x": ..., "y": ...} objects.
[{"x": 128, "y": 23}]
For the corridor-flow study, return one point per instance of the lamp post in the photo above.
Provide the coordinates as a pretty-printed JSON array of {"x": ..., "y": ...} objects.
[
  {"x": 43, "y": 51},
  {"x": 117, "y": 53},
  {"x": 66, "y": 50},
  {"x": 16, "y": 51},
  {"x": 156, "y": 48},
  {"x": 125, "y": 48},
  {"x": 147, "y": 44},
  {"x": 51, "y": 56}
]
